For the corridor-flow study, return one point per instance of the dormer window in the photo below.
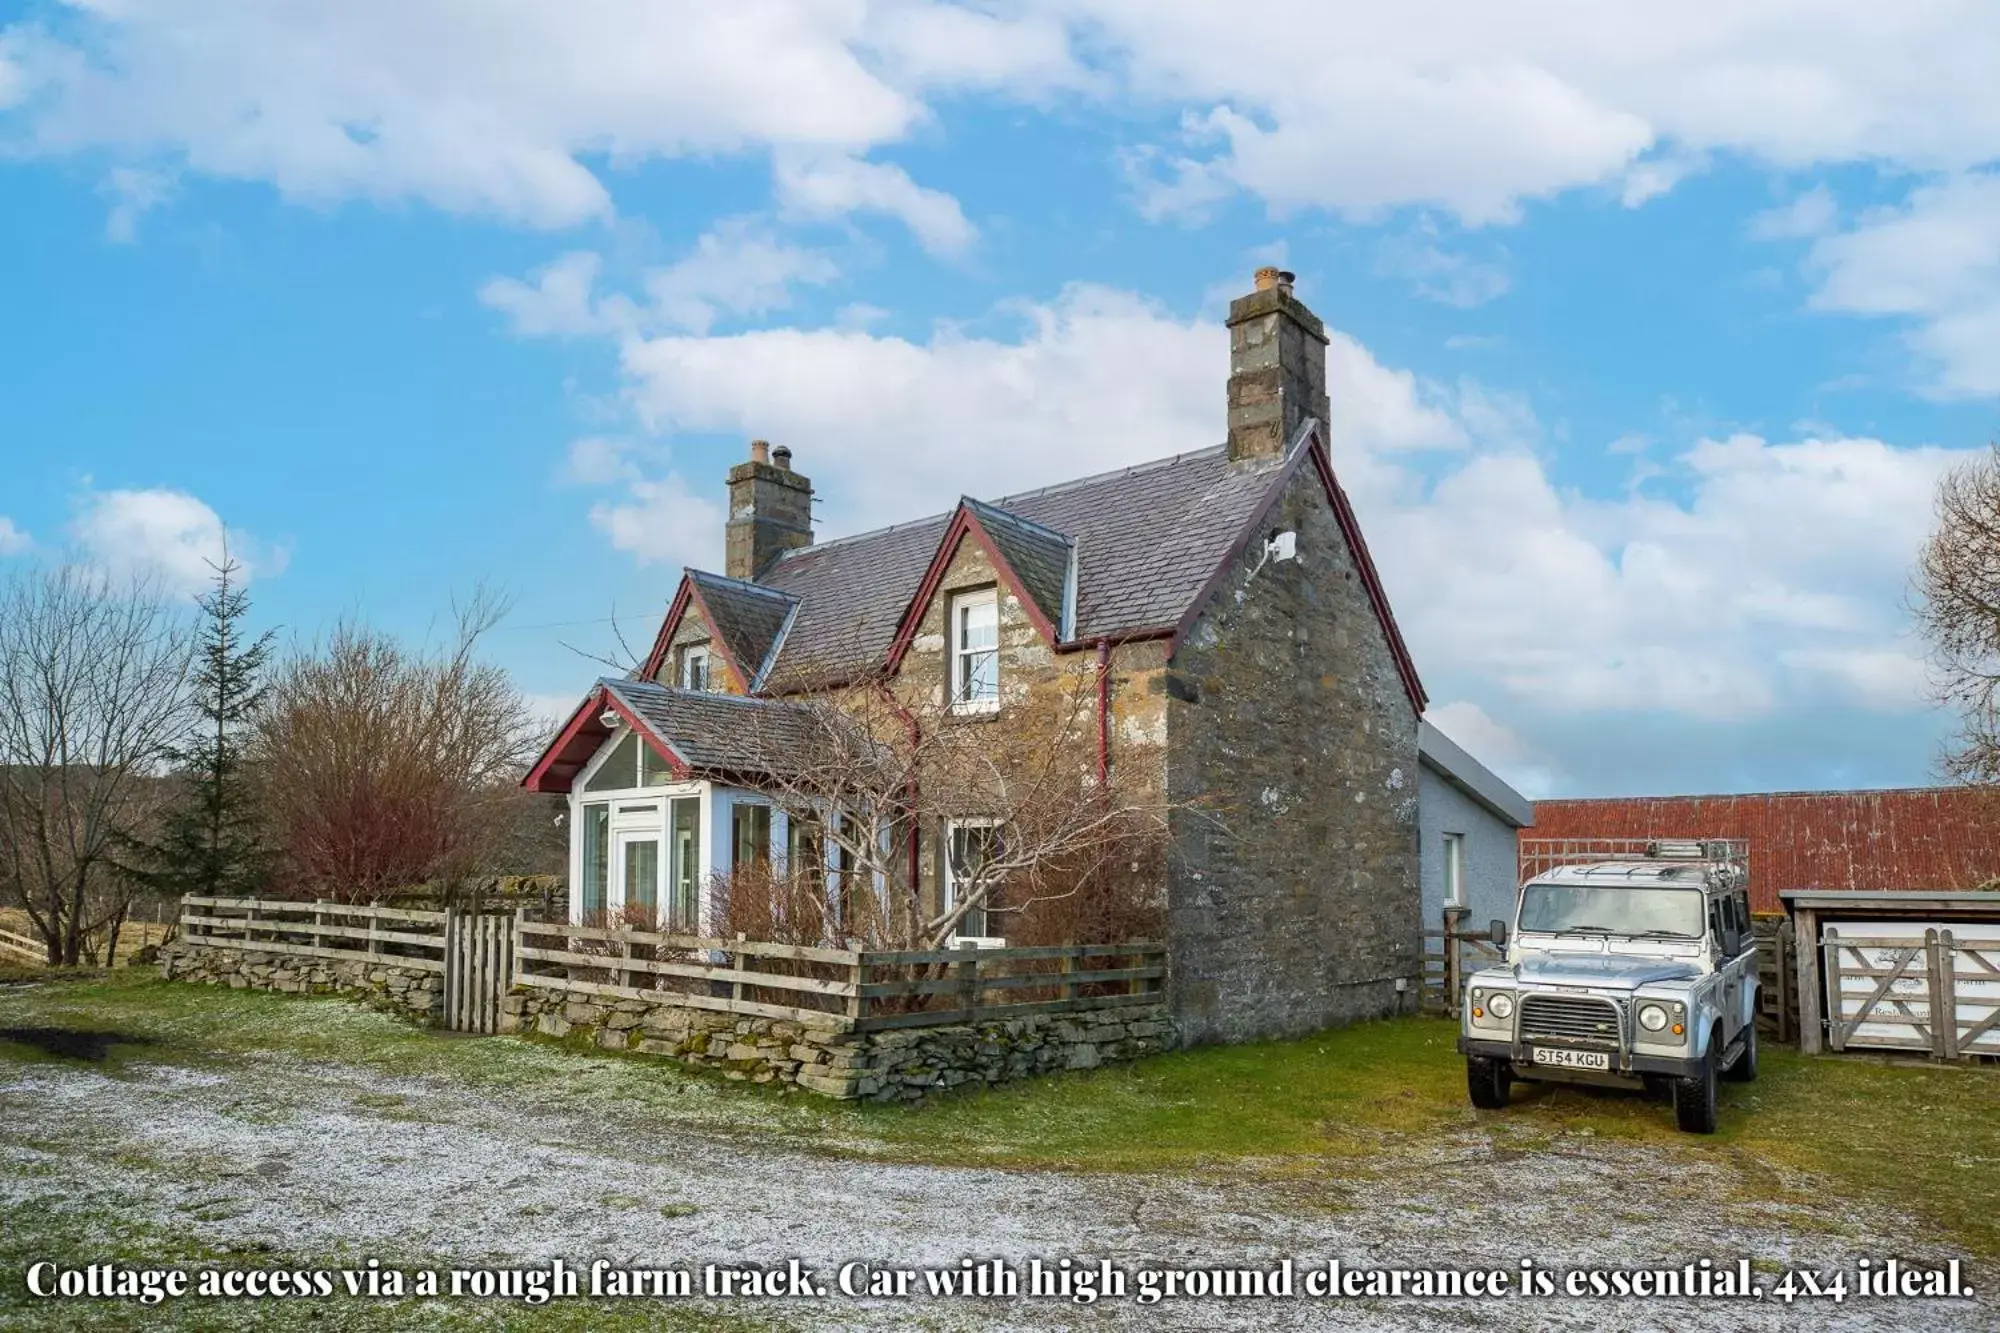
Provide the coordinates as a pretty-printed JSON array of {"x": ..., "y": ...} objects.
[
  {"x": 694, "y": 667},
  {"x": 975, "y": 651}
]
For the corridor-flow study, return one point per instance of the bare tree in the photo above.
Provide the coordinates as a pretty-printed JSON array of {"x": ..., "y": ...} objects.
[
  {"x": 859, "y": 768},
  {"x": 1957, "y": 595},
  {"x": 385, "y": 767},
  {"x": 94, "y": 695}
]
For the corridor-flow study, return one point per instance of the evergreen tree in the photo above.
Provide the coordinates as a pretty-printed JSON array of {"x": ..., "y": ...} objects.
[{"x": 211, "y": 840}]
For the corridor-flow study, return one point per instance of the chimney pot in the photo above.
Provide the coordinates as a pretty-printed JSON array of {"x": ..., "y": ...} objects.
[
  {"x": 782, "y": 456},
  {"x": 760, "y": 451},
  {"x": 1268, "y": 277}
]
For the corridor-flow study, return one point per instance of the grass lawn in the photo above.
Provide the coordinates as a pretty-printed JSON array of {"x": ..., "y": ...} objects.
[{"x": 1922, "y": 1139}]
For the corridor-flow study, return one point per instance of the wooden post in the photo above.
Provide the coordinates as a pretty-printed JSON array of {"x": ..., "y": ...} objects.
[
  {"x": 1454, "y": 965},
  {"x": 451, "y": 965},
  {"x": 1944, "y": 980},
  {"x": 514, "y": 968},
  {"x": 968, "y": 982},
  {"x": 735, "y": 962},
  {"x": 1805, "y": 949},
  {"x": 1836, "y": 1004},
  {"x": 857, "y": 1003},
  {"x": 626, "y": 976},
  {"x": 1068, "y": 970}
]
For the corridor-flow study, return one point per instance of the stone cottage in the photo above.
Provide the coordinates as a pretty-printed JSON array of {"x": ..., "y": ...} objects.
[{"x": 1224, "y": 604}]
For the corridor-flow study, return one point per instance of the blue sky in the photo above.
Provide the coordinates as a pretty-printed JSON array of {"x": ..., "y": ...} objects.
[{"x": 1653, "y": 332}]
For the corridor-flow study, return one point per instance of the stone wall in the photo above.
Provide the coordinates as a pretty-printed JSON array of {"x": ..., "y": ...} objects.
[
  {"x": 899, "y": 1065},
  {"x": 1296, "y": 905},
  {"x": 410, "y": 991}
]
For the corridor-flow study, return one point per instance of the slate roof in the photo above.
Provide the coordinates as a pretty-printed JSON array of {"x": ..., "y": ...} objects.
[
  {"x": 1039, "y": 556},
  {"x": 1147, "y": 539},
  {"x": 717, "y": 733},
  {"x": 746, "y": 616}
]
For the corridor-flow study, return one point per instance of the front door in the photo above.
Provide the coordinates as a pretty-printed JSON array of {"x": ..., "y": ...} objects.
[{"x": 635, "y": 868}]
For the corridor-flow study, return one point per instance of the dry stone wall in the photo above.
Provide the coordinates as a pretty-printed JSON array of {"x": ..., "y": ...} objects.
[
  {"x": 411, "y": 991},
  {"x": 901, "y": 1064}
]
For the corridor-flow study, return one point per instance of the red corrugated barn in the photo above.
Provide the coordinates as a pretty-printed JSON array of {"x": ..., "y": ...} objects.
[{"x": 1911, "y": 838}]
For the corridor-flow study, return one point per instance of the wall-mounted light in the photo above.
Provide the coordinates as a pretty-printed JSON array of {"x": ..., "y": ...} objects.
[{"x": 609, "y": 717}]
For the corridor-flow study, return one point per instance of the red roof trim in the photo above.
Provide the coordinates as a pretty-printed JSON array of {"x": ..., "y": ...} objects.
[
  {"x": 690, "y": 591},
  {"x": 1350, "y": 530},
  {"x": 661, "y": 641},
  {"x": 963, "y": 524},
  {"x": 1371, "y": 579},
  {"x": 583, "y": 733}
]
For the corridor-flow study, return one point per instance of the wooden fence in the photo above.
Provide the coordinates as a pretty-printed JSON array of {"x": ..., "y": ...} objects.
[
  {"x": 31, "y": 950},
  {"x": 1450, "y": 956},
  {"x": 399, "y": 936},
  {"x": 850, "y": 990}
]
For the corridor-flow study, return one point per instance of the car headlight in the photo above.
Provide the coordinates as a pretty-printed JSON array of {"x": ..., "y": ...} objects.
[
  {"x": 1652, "y": 1017},
  {"x": 1502, "y": 1004}
]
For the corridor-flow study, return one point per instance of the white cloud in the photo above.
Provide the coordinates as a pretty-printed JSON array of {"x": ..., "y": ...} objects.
[
  {"x": 13, "y": 540},
  {"x": 134, "y": 191},
  {"x": 736, "y": 268},
  {"x": 1437, "y": 274},
  {"x": 559, "y": 302},
  {"x": 1813, "y": 213},
  {"x": 487, "y": 108},
  {"x": 1518, "y": 763},
  {"x": 662, "y": 521},
  {"x": 818, "y": 187},
  {"x": 1934, "y": 262},
  {"x": 166, "y": 534},
  {"x": 1476, "y": 109},
  {"x": 515, "y": 109}
]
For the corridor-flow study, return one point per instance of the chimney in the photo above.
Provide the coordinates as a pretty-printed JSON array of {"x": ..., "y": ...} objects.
[
  {"x": 1277, "y": 368},
  {"x": 770, "y": 511}
]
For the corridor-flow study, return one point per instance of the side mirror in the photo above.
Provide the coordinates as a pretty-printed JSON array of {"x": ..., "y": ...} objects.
[{"x": 1498, "y": 933}]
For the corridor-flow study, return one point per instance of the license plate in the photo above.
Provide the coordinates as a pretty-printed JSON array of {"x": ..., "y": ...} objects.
[{"x": 1541, "y": 1055}]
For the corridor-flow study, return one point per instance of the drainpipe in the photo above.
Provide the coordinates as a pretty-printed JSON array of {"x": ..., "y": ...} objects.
[{"x": 1103, "y": 713}]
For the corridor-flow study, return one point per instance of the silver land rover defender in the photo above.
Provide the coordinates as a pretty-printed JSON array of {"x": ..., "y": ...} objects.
[{"x": 1632, "y": 969}]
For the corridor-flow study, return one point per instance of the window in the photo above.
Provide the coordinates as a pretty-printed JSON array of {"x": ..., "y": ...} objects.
[
  {"x": 750, "y": 828},
  {"x": 1454, "y": 869},
  {"x": 684, "y": 838},
  {"x": 620, "y": 770},
  {"x": 971, "y": 844},
  {"x": 975, "y": 651},
  {"x": 596, "y": 859},
  {"x": 694, "y": 667}
]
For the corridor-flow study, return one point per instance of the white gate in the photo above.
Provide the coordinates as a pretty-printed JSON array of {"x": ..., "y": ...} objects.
[
  {"x": 1908, "y": 986},
  {"x": 478, "y": 968}
]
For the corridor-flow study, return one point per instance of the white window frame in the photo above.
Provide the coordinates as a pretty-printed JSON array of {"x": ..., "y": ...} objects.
[
  {"x": 625, "y": 818},
  {"x": 1454, "y": 870},
  {"x": 954, "y": 609},
  {"x": 690, "y": 655},
  {"x": 949, "y": 885}
]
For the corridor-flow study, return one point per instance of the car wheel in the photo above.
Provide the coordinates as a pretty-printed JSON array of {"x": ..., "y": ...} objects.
[
  {"x": 1745, "y": 1068},
  {"x": 1487, "y": 1081},
  {"x": 1694, "y": 1098}
]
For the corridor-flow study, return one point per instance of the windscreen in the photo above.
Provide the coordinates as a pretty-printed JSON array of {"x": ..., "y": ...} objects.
[{"x": 1605, "y": 910}]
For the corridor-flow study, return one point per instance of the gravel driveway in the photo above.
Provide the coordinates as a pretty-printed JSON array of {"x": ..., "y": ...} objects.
[{"x": 324, "y": 1158}]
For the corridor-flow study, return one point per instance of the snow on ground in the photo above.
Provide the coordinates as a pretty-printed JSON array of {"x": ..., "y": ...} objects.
[{"x": 321, "y": 1159}]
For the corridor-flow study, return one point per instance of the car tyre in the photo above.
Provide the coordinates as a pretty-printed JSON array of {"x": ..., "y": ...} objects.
[
  {"x": 1487, "y": 1080},
  {"x": 1694, "y": 1098},
  {"x": 1745, "y": 1068}
]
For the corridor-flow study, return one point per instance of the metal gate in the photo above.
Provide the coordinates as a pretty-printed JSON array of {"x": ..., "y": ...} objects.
[
  {"x": 478, "y": 968},
  {"x": 1889, "y": 987}
]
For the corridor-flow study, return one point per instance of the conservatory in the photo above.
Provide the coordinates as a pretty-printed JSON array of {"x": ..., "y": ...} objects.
[{"x": 655, "y": 820}]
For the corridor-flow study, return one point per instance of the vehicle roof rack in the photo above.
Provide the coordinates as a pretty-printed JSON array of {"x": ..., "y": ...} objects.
[{"x": 1540, "y": 855}]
